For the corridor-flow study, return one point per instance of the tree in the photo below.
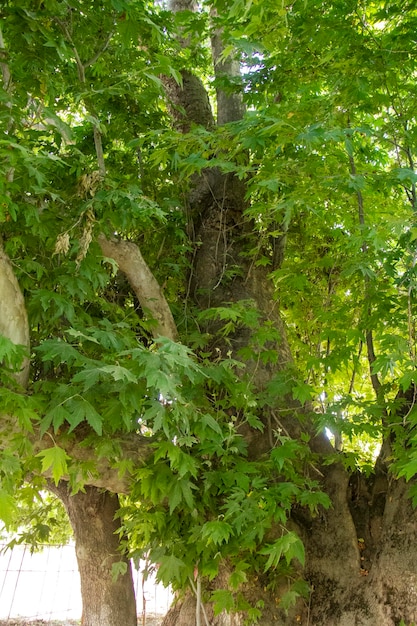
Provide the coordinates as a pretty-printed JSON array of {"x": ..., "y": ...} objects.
[{"x": 208, "y": 223}]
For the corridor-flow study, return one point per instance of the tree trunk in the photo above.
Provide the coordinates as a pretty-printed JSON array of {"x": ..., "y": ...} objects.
[
  {"x": 361, "y": 557},
  {"x": 361, "y": 563},
  {"x": 361, "y": 560},
  {"x": 107, "y": 600}
]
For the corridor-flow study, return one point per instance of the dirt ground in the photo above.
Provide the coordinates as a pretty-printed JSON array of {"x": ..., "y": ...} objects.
[{"x": 149, "y": 621}]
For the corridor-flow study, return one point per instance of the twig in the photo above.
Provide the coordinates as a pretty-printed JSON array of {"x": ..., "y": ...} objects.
[
  {"x": 199, "y": 603},
  {"x": 98, "y": 143},
  {"x": 80, "y": 65},
  {"x": 100, "y": 51},
  {"x": 376, "y": 384}
]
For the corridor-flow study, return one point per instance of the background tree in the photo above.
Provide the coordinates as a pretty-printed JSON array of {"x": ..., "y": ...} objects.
[{"x": 210, "y": 214}]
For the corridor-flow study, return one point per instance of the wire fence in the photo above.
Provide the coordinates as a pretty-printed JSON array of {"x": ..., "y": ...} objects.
[{"x": 46, "y": 586}]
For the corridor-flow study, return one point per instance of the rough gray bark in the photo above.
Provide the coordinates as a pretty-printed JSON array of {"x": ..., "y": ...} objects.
[
  {"x": 188, "y": 102},
  {"x": 361, "y": 563},
  {"x": 194, "y": 108},
  {"x": 107, "y": 601}
]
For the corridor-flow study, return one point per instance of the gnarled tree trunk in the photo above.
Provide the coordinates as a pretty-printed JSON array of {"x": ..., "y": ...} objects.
[
  {"x": 360, "y": 575},
  {"x": 361, "y": 559}
]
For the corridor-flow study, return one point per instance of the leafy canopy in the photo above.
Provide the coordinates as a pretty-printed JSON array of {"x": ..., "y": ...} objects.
[{"x": 327, "y": 148}]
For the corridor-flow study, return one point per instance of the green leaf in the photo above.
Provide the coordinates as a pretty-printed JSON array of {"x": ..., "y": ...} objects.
[
  {"x": 314, "y": 499},
  {"x": 8, "y": 509},
  {"x": 209, "y": 421},
  {"x": 302, "y": 392},
  {"x": 170, "y": 569},
  {"x": 89, "y": 376},
  {"x": 79, "y": 410},
  {"x": 404, "y": 174},
  {"x": 223, "y": 600},
  {"x": 289, "y": 546},
  {"x": 118, "y": 569},
  {"x": 119, "y": 373},
  {"x": 239, "y": 576},
  {"x": 217, "y": 532},
  {"x": 54, "y": 459},
  {"x": 11, "y": 354}
]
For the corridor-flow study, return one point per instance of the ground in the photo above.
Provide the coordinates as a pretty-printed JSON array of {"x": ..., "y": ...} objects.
[{"x": 149, "y": 621}]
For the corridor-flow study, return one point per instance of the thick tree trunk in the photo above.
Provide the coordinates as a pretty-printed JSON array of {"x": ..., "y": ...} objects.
[
  {"x": 107, "y": 600},
  {"x": 380, "y": 587},
  {"x": 361, "y": 563},
  {"x": 361, "y": 556}
]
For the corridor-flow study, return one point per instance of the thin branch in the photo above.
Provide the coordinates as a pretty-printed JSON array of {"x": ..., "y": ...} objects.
[
  {"x": 127, "y": 254},
  {"x": 99, "y": 52},
  {"x": 199, "y": 603},
  {"x": 352, "y": 380},
  {"x": 413, "y": 194},
  {"x": 376, "y": 384},
  {"x": 98, "y": 143},
  {"x": 359, "y": 196},
  {"x": 80, "y": 65}
]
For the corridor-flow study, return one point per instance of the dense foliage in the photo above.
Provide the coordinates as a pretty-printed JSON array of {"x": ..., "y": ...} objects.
[{"x": 327, "y": 147}]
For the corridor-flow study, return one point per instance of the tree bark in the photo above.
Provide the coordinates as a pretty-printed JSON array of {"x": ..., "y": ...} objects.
[
  {"x": 230, "y": 106},
  {"x": 361, "y": 561},
  {"x": 13, "y": 317},
  {"x": 149, "y": 293},
  {"x": 107, "y": 600}
]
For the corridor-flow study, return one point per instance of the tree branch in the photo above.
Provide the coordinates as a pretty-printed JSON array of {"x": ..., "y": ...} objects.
[
  {"x": 188, "y": 102},
  {"x": 147, "y": 289},
  {"x": 7, "y": 79},
  {"x": 81, "y": 67},
  {"x": 98, "y": 143},
  {"x": 230, "y": 107},
  {"x": 126, "y": 254},
  {"x": 100, "y": 51},
  {"x": 106, "y": 474},
  {"x": 13, "y": 317},
  {"x": 376, "y": 383}
]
